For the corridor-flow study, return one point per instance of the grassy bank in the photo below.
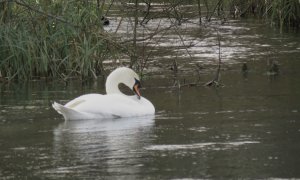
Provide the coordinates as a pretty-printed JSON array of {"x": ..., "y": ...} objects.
[{"x": 56, "y": 40}]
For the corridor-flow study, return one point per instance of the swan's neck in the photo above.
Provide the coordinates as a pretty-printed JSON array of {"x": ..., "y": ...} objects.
[
  {"x": 112, "y": 83},
  {"x": 112, "y": 87},
  {"x": 120, "y": 75}
]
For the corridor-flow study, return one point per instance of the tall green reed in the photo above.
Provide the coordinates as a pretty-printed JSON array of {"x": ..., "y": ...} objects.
[
  {"x": 282, "y": 13},
  {"x": 285, "y": 13},
  {"x": 60, "y": 39}
]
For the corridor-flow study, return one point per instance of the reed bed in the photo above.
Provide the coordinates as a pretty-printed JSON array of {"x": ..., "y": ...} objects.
[
  {"x": 281, "y": 13},
  {"x": 35, "y": 43}
]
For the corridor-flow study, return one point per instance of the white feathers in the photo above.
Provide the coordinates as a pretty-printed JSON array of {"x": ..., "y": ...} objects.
[{"x": 112, "y": 105}]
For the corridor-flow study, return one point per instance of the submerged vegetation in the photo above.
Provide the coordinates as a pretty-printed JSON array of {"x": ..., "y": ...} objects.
[{"x": 63, "y": 39}]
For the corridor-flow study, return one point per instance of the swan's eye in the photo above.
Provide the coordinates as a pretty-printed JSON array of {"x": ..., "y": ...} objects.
[{"x": 138, "y": 83}]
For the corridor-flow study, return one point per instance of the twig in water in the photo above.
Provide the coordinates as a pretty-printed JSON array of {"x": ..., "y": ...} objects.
[
  {"x": 174, "y": 68},
  {"x": 215, "y": 81}
]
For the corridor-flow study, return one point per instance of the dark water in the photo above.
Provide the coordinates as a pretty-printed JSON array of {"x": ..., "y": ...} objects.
[{"x": 250, "y": 128}]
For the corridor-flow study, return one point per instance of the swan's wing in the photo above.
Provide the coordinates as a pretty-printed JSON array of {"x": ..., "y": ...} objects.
[
  {"x": 112, "y": 106},
  {"x": 73, "y": 114},
  {"x": 81, "y": 99},
  {"x": 73, "y": 104},
  {"x": 93, "y": 106}
]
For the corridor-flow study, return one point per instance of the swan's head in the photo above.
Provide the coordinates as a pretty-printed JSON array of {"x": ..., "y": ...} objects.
[
  {"x": 126, "y": 76},
  {"x": 136, "y": 88}
]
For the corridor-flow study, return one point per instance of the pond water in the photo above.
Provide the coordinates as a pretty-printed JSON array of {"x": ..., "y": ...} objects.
[{"x": 249, "y": 128}]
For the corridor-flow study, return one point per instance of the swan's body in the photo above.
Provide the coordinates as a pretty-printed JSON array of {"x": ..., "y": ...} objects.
[{"x": 112, "y": 105}]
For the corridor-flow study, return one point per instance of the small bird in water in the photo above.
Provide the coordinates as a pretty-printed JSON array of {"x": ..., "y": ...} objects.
[
  {"x": 274, "y": 68},
  {"x": 105, "y": 21},
  {"x": 245, "y": 68}
]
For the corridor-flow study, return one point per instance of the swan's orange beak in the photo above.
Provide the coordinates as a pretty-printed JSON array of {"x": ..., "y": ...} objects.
[{"x": 136, "y": 90}]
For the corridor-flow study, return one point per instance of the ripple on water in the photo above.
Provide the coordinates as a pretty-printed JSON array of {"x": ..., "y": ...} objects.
[
  {"x": 199, "y": 129},
  {"x": 62, "y": 171},
  {"x": 206, "y": 145}
]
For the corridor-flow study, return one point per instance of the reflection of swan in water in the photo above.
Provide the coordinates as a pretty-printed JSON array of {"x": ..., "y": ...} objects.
[{"x": 110, "y": 146}]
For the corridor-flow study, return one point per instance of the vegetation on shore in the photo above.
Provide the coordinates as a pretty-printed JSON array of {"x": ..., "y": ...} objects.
[
  {"x": 60, "y": 40},
  {"x": 63, "y": 39},
  {"x": 282, "y": 13}
]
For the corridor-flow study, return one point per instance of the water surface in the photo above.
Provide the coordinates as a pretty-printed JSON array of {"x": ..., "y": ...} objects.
[{"x": 250, "y": 128}]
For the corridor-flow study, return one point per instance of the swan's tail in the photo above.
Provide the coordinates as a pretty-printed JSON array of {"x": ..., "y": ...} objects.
[
  {"x": 68, "y": 113},
  {"x": 58, "y": 107}
]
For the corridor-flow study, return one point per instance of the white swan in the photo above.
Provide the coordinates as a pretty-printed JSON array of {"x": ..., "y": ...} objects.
[{"x": 112, "y": 105}]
